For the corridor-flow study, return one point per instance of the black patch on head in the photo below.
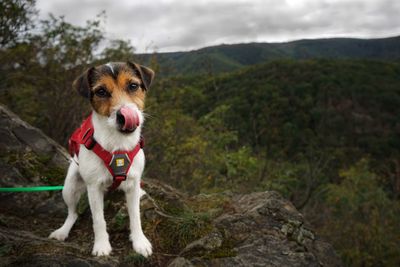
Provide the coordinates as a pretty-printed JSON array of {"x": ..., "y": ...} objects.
[
  {"x": 91, "y": 95},
  {"x": 83, "y": 83},
  {"x": 144, "y": 73}
]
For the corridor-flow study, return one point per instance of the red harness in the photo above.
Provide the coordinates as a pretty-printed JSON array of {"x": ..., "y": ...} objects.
[{"x": 118, "y": 163}]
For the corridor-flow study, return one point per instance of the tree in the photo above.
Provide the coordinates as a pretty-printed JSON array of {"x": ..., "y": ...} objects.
[
  {"x": 15, "y": 19},
  {"x": 364, "y": 221},
  {"x": 118, "y": 50},
  {"x": 40, "y": 72}
]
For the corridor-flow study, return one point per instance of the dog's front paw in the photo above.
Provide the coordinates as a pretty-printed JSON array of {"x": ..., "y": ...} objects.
[
  {"x": 59, "y": 234},
  {"x": 101, "y": 248},
  {"x": 142, "y": 245}
]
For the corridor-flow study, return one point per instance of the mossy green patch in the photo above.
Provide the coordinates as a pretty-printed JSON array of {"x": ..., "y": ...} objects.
[
  {"x": 213, "y": 204},
  {"x": 170, "y": 204},
  {"x": 175, "y": 233},
  {"x": 120, "y": 220},
  {"x": 33, "y": 166},
  {"x": 136, "y": 260},
  {"x": 5, "y": 250},
  {"x": 53, "y": 175},
  {"x": 83, "y": 204}
]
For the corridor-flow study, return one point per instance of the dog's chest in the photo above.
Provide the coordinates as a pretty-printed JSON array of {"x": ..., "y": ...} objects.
[{"x": 93, "y": 170}]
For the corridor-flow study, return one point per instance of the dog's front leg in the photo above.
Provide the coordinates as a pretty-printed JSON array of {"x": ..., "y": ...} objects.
[
  {"x": 102, "y": 245},
  {"x": 139, "y": 241}
]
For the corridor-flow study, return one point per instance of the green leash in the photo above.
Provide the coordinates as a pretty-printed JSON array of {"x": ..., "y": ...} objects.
[{"x": 31, "y": 189}]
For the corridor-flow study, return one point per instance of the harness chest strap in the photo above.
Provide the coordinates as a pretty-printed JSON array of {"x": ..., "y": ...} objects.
[{"x": 118, "y": 163}]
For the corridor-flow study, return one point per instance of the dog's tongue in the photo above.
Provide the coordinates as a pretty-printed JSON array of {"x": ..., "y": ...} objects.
[{"x": 131, "y": 119}]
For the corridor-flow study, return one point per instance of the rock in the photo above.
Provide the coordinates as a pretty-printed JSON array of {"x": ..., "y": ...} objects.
[
  {"x": 17, "y": 135},
  {"x": 180, "y": 262},
  {"x": 206, "y": 244},
  {"x": 27, "y": 158},
  {"x": 53, "y": 206},
  {"x": 263, "y": 230},
  {"x": 44, "y": 252},
  {"x": 33, "y": 138},
  {"x": 221, "y": 229},
  {"x": 170, "y": 198}
]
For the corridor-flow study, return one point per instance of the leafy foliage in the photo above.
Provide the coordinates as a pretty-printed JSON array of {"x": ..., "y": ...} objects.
[
  {"x": 43, "y": 68},
  {"x": 291, "y": 126},
  {"x": 365, "y": 220},
  {"x": 15, "y": 19}
]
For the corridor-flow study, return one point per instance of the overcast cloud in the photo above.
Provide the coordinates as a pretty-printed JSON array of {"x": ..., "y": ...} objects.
[{"x": 167, "y": 25}]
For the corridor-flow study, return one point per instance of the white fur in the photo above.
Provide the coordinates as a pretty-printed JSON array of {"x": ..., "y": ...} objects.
[
  {"x": 89, "y": 170},
  {"x": 109, "y": 65}
]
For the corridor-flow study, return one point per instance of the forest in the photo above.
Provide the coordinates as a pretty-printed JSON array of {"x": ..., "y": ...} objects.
[
  {"x": 323, "y": 131},
  {"x": 230, "y": 57}
]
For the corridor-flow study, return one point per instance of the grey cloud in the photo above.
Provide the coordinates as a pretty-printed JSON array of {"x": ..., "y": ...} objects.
[{"x": 184, "y": 25}]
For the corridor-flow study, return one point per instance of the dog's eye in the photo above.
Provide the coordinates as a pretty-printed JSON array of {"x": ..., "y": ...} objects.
[
  {"x": 133, "y": 87},
  {"x": 102, "y": 93}
]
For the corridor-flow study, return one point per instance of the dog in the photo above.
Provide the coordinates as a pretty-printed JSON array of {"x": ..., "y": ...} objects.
[{"x": 116, "y": 92}]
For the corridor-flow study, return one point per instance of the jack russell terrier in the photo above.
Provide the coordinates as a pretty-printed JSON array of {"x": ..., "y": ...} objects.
[{"x": 106, "y": 150}]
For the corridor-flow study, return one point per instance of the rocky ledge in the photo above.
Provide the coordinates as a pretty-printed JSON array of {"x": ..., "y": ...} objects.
[{"x": 257, "y": 229}]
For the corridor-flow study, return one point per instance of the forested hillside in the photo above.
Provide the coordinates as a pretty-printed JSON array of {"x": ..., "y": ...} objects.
[
  {"x": 323, "y": 132},
  {"x": 338, "y": 111},
  {"x": 225, "y": 58}
]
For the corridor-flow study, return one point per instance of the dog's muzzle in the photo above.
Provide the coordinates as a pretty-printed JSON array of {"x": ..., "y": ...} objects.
[{"x": 127, "y": 119}]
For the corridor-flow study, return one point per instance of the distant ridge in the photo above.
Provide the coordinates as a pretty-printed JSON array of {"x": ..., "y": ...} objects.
[{"x": 229, "y": 57}]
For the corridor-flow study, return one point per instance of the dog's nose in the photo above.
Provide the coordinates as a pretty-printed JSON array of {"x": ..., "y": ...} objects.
[{"x": 127, "y": 119}]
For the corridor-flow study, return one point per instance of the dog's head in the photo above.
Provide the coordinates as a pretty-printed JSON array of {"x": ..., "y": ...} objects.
[{"x": 117, "y": 91}]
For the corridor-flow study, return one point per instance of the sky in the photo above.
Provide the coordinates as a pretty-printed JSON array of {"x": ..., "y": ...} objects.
[{"x": 183, "y": 25}]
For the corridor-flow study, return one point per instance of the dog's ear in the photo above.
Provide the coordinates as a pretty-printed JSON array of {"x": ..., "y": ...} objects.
[
  {"x": 82, "y": 83},
  {"x": 145, "y": 74}
]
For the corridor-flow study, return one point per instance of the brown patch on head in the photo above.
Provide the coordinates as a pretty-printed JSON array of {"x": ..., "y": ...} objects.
[
  {"x": 124, "y": 78},
  {"x": 114, "y": 85}
]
